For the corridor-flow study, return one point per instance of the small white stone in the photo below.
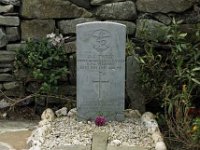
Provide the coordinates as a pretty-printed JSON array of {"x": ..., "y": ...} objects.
[
  {"x": 72, "y": 113},
  {"x": 157, "y": 137},
  {"x": 160, "y": 146},
  {"x": 48, "y": 115},
  {"x": 147, "y": 116},
  {"x": 61, "y": 112},
  {"x": 116, "y": 142}
]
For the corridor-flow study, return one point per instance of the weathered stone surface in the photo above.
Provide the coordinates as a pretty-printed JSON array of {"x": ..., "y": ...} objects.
[
  {"x": 82, "y": 3},
  {"x": 99, "y": 141},
  {"x": 6, "y": 77},
  {"x": 69, "y": 26},
  {"x": 70, "y": 47},
  {"x": 163, "y": 18},
  {"x": 14, "y": 47},
  {"x": 164, "y": 6},
  {"x": 130, "y": 26},
  {"x": 10, "y": 85},
  {"x": 7, "y": 56},
  {"x": 12, "y": 2},
  {"x": 100, "y": 2},
  {"x": 136, "y": 99},
  {"x": 6, "y": 8},
  {"x": 4, "y": 70},
  {"x": 119, "y": 11},
  {"x": 100, "y": 70},
  {"x": 12, "y": 33},
  {"x": 36, "y": 28},
  {"x": 9, "y": 21},
  {"x": 124, "y": 147},
  {"x": 16, "y": 92},
  {"x": 151, "y": 30},
  {"x": 4, "y": 104},
  {"x": 3, "y": 38},
  {"x": 73, "y": 147},
  {"x": 52, "y": 9},
  {"x": 6, "y": 65}
]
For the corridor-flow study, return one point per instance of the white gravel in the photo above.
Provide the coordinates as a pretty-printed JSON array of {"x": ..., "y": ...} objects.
[{"x": 69, "y": 131}]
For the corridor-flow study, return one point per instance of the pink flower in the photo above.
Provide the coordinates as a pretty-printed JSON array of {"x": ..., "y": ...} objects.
[{"x": 100, "y": 121}]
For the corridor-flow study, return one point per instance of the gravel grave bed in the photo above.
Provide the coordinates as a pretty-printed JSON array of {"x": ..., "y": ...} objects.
[{"x": 65, "y": 131}]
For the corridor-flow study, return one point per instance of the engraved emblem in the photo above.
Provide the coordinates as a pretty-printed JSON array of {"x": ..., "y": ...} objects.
[{"x": 101, "y": 40}]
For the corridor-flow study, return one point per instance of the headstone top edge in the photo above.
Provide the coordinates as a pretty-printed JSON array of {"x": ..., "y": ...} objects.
[{"x": 100, "y": 22}]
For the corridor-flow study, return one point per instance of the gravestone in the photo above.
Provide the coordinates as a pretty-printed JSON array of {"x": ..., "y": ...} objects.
[{"x": 100, "y": 70}]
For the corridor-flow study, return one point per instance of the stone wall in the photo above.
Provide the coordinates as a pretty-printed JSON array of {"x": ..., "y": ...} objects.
[{"x": 23, "y": 19}]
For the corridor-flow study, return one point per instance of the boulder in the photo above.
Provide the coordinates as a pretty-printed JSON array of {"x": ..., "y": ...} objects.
[
  {"x": 69, "y": 26},
  {"x": 135, "y": 96},
  {"x": 3, "y": 38},
  {"x": 149, "y": 29},
  {"x": 12, "y": 34},
  {"x": 70, "y": 47},
  {"x": 6, "y": 77},
  {"x": 6, "y": 8},
  {"x": 9, "y": 21},
  {"x": 14, "y": 47},
  {"x": 10, "y": 85},
  {"x": 36, "y": 28},
  {"x": 130, "y": 26},
  {"x": 52, "y": 9},
  {"x": 61, "y": 112},
  {"x": 119, "y": 11},
  {"x": 7, "y": 56},
  {"x": 164, "y": 6}
]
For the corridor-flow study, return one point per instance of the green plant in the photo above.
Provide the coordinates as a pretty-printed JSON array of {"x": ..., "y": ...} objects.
[
  {"x": 45, "y": 60},
  {"x": 172, "y": 78}
]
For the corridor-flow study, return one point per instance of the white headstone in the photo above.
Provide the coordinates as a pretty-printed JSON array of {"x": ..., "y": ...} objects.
[{"x": 100, "y": 70}]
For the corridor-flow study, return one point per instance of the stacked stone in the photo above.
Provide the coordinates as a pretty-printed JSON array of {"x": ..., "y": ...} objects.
[{"x": 9, "y": 34}]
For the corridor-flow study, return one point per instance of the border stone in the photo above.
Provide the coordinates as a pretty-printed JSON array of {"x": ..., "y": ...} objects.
[
  {"x": 123, "y": 147},
  {"x": 99, "y": 141}
]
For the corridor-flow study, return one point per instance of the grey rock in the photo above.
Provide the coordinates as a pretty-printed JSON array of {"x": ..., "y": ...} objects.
[
  {"x": 70, "y": 47},
  {"x": 82, "y": 3},
  {"x": 164, "y": 6},
  {"x": 36, "y": 28},
  {"x": 6, "y": 8},
  {"x": 136, "y": 98},
  {"x": 61, "y": 112},
  {"x": 6, "y": 77},
  {"x": 17, "y": 92},
  {"x": 4, "y": 103},
  {"x": 69, "y": 26},
  {"x": 163, "y": 18},
  {"x": 10, "y": 85},
  {"x": 7, "y": 56},
  {"x": 4, "y": 70},
  {"x": 130, "y": 26},
  {"x": 100, "y": 2},
  {"x": 9, "y": 21},
  {"x": 149, "y": 29},
  {"x": 14, "y": 47},
  {"x": 100, "y": 141},
  {"x": 3, "y": 38},
  {"x": 119, "y": 11},
  {"x": 12, "y": 33},
  {"x": 124, "y": 147},
  {"x": 12, "y": 2},
  {"x": 6, "y": 65},
  {"x": 52, "y": 9}
]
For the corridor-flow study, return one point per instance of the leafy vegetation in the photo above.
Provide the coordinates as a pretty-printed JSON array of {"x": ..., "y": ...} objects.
[
  {"x": 171, "y": 78},
  {"x": 45, "y": 60}
]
